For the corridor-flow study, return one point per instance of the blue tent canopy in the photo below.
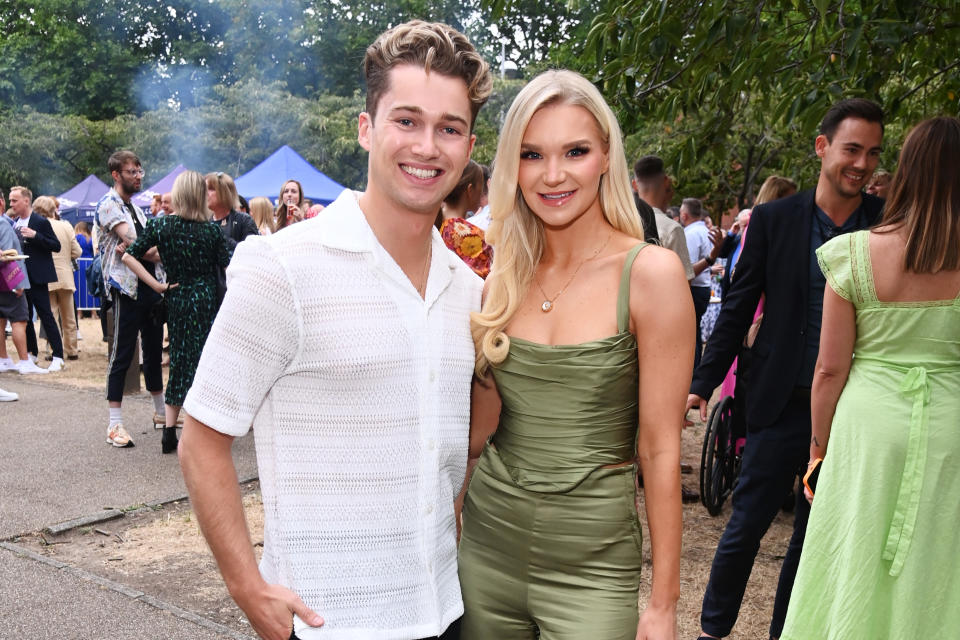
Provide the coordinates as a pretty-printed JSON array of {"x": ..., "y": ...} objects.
[
  {"x": 80, "y": 202},
  {"x": 284, "y": 164},
  {"x": 164, "y": 185}
]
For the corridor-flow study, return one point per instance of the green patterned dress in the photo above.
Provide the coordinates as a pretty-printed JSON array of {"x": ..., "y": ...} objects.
[
  {"x": 191, "y": 252},
  {"x": 880, "y": 555}
]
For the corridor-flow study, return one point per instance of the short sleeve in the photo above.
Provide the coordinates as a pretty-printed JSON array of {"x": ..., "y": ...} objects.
[
  {"x": 110, "y": 214},
  {"x": 254, "y": 340},
  {"x": 834, "y": 257}
]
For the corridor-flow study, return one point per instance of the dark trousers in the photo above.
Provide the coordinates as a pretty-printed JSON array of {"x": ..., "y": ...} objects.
[
  {"x": 38, "y": 297},
  {"x": 129, "y": 319},
  {"x": 452, "y": 633},
  {"x": 701, "y": 300},
  {"x": 771, "y": 460}
]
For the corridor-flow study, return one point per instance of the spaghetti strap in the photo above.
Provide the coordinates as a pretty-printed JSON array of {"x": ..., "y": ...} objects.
[{"x": 623, "y": 295}]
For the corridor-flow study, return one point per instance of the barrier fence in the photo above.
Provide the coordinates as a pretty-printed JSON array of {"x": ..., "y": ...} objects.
[{"x": 81, "y": 299}]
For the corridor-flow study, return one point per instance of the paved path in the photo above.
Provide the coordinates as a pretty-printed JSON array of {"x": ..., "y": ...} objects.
[{"x": 55, "y": 465}]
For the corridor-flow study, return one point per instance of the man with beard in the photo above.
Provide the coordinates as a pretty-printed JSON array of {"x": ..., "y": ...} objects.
[{"x": 119, "y": 221}]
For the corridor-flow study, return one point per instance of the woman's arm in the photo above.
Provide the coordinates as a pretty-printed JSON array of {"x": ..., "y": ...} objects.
[
  {"x": 484, "y": 417},
  {"x": 838, "y": 332},
  {"x": 663, "y": 318},
  {"x": 134, "y": 265}
]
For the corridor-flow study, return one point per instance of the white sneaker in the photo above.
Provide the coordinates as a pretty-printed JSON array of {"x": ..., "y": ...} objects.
[
  {"x": 118, "y": 436},
  {"x": 55, "y": 365},
  {"x": 8, "y": 396},
  {"x": 6, "y": 364},
  {"x": 32, "y": 358},
  {"x": 28, "y": 366}
]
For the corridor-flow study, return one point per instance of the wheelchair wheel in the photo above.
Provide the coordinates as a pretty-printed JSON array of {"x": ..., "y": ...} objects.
[{"x": 719, "y": 466}]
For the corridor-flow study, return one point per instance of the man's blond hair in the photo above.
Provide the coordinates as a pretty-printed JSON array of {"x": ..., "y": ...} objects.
[
  {"x": 26, "y": 193},
  {"x": 433, "y": 46}
]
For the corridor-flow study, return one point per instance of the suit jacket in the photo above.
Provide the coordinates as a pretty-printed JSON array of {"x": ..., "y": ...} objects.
[
  {"x": 40, "y": 250},
  {"x": 775, "y": 263},
  {"x": 63, "y": 259},
  {"x": 729, "y": 245},
  {"x": 236, "y": 227}
]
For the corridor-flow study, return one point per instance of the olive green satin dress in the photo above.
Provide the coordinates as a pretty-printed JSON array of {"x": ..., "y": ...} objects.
[{"x": 551, "y": 543}]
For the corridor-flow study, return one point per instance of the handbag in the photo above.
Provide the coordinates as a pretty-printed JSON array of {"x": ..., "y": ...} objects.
[{"x": 11, "y": 275}]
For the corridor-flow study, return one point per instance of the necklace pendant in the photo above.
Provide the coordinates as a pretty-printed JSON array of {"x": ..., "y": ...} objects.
[{"x": 546, "y": 306}]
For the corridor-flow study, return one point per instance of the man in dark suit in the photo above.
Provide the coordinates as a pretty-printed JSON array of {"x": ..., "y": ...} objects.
[
  {"x": 39, "y": 243},
  {"x": 779, "y": 263}
]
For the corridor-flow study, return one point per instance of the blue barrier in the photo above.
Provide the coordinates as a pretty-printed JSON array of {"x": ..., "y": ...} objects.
[{"x": 83, "y": 300}]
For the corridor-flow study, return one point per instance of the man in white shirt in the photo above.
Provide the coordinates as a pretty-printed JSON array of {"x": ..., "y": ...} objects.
[
  {"x": 345, "y": 341},
  {"x": 703, "y": 245}
]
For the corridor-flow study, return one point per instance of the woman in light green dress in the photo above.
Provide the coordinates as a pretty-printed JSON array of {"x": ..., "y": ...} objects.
[{"x": 880, "y": 555}]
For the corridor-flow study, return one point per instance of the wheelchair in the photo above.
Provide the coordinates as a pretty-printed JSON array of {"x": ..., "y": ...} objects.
[{"x": 723, "y": 443}]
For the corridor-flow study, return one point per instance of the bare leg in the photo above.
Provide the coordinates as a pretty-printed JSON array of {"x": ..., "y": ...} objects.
[
  {"x": 169, "y": 442},
  {"x": 172, "y": 414},
  {"x": 20, "y": 339}
]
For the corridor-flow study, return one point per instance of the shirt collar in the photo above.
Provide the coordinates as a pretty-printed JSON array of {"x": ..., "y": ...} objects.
[{"x": 343, "y": 226}]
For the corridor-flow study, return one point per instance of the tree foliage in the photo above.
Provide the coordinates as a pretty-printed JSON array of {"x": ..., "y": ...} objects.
[
  {"x": 234, "y": 129},
  {"x": 741, "y": 87}
]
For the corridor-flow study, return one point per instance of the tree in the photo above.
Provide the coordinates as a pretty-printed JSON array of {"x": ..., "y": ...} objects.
[
  {"x": 728, "y": 92},
  {"x": 87, "y": 57},
  {"x": 739, "y": 82}
]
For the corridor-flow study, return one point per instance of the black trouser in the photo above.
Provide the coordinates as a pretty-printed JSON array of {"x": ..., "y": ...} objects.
[
  {"x": 38, "y": 297},
  {"x": 701, "y": 300},
  {"x": 771, "y": 459},
  {"x": 130, "y": 318},
  {"x": 452, "y": 633}
]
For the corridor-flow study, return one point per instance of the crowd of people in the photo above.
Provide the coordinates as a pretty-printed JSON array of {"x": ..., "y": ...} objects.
[
  {"x": 468, "y": 374},
  {"x": 52, "y": 275}
]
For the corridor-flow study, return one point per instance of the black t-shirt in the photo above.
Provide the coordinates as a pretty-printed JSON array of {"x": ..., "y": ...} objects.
[{"x": 145, "y": 295}]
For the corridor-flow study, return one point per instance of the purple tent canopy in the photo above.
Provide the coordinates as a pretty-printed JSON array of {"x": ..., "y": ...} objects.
[
  {"x": 80, "y": 202},
  {"x": 266, "y": 178},
  {"x": 165, "y": 185}
]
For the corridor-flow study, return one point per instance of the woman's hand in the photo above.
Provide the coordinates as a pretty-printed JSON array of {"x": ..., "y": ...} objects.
[
  {"x": 658, "y": 623},
  {"x": 163, "y": 288}
]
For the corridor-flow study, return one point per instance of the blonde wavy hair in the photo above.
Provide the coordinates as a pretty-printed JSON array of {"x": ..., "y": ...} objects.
[{"x": 516, "y": 233}]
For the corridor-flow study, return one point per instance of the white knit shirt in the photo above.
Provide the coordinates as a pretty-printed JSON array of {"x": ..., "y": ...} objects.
[{"x": 358, "y": 391}]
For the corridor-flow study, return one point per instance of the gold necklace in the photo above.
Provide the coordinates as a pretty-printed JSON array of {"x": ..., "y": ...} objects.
[
  {"x": 422, "y": 288},
  {"x": 548, "y": 303}
]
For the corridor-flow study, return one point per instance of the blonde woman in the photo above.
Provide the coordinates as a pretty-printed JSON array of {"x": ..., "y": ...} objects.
[
  {"x": 586, "y": 337},
  {"x": 262, "y": 213},
  {"x": 192, "y": 250},
  {"x": 61, "y": 291}
]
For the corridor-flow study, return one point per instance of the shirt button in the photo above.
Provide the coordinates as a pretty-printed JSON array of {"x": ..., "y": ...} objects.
[
  {"x": 433, "y": 376},
  {"x": 431, "y": 444},
  {"x": 429, "y": 508}
]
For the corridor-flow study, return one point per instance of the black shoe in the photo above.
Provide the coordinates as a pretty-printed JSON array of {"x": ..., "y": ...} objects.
[
  {"x": 169, "y": 441},
  {"x": 73, "y": 357}
]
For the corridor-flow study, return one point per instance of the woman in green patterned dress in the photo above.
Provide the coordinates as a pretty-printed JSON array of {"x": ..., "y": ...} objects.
[{"x": 192, "y": 250}]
